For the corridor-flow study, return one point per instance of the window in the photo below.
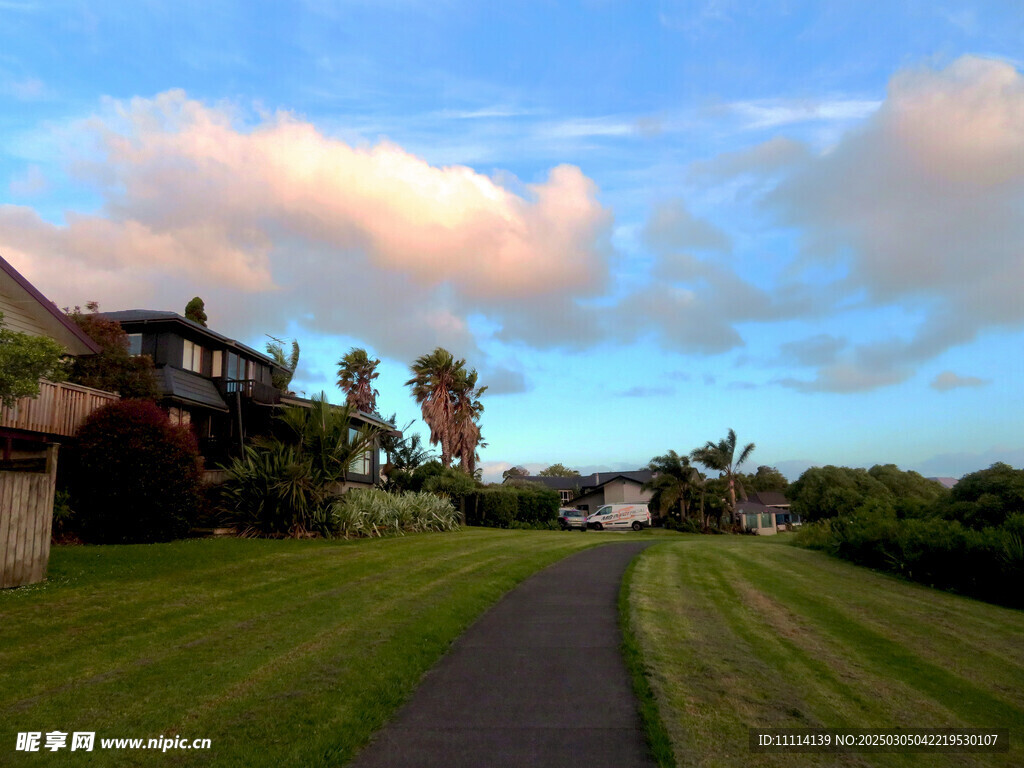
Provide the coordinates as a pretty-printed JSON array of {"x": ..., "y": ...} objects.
[
  {"x": 766, "y": 520},
  {"x": 236, "y": 367},
  {"x": 192, "y": 357},
  {"x": 179, "y": 416},
  {"x": 218, "y": 363},
  {"x": 134, "y": 343},
  {"x": 566, "y": 496},
  {"x": 363, "y": 463}
]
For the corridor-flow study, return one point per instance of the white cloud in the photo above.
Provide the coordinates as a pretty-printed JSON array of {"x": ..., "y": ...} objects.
[
  {"x": 925, "y": 205},
  {"x": 772, "y": 113},
  {"x": 277, "y": 220}
]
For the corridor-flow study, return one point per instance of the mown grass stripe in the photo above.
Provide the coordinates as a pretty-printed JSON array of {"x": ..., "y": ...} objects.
[{"x": 785, "y": 639}]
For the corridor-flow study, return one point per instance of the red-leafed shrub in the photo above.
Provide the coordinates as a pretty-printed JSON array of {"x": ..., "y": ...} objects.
[{"x": 137, "y": 477}]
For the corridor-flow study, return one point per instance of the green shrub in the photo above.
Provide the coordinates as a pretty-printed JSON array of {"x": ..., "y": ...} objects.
[
  {"x": 137, "y": 476},
  {"x": 686, "y": 525},
  {"x": 986, "y": 563},
  {"x": 373, "y": 512},
  {"x": 513, "y": 506},
  {"x": 272, "y": 490}
]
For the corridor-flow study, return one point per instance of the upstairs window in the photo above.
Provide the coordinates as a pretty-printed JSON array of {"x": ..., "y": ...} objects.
[
  {"x": 192, "y": 357},
  {"x": 134, "y": 344}
]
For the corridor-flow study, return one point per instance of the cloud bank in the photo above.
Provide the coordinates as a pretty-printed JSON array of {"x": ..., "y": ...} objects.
[
  {"x": 276, "y": 221},
  {"x": 924, "y": 205}
]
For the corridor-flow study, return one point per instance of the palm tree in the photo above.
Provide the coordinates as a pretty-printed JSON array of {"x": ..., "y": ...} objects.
[
  {"x": 450, "y": 402},
  {"x": 275, "y": 348},
  {"x": 674, "y": 480},
  {"x": 325, "y": 434},
  {"x": 467, "y": 417},
  {"x": 356, "y": 372},
  {"x": 433, "y": 381},
  {"x": 406, "y": 452},
  {"x": 721, "y": 456}
]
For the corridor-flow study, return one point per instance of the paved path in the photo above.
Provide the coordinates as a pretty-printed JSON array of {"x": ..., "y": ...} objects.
[{"x": 538, "y": 681}]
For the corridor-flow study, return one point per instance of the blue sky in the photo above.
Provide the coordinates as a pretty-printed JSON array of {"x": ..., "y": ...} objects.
[{"x": 643, "y": 222}]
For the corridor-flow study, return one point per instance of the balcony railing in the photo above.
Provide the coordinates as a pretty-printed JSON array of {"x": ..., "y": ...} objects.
[
  {"x": 250, "y": 388},
  {"x": 59, "y": 409}
]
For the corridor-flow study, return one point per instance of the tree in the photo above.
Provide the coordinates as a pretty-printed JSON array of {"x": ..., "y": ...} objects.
[
  {"x": 137, "y": 477},
  {"x": 467, "y": 420},
  {"x": 356, "y": 372},
  {"x": 114, "y": 369},
  {"x": 766, "y": 479},
  {"x": 195, "y": 311},
  {"x": 673, "y": 482},
  {"x": 324, "y": 433},
  {"x": 513, "y": 472},
  {"x": 275, "y": 348},
  {"x": 721, "y": 456},
  {"x": 559, "y": 470},
  {"x": 449, "y": 399},
  {"x": 406, "y": 452},
  {"x": 830, "y": 491},
  {"x": 24, "y": 360},
  {"x": 987, "y": 497},
  {"x": 915, "y": 495}
]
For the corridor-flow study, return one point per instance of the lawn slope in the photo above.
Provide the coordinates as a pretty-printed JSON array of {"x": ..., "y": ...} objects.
[
  {"x": 739, "y": 632},
  {"x": 280, "y": 652}
]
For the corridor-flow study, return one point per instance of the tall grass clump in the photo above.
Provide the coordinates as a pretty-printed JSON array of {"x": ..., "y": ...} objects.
[{"x": 373, "y": 512}]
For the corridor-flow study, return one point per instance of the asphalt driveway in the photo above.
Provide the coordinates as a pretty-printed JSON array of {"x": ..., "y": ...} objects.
[{"x": 538, "y": 681}]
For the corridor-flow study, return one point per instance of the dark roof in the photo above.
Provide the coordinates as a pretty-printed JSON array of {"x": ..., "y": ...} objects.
[
  {"x": 69, "y": 325},
  {"x": 370, "y": 418},
  {"x": 768, "y": 498},
  {"x": 556, "y": 483},
  {"x": 156, "y": 316},
  {"x": 586, "y": 483},
  {"x": 189, "y": 388}
]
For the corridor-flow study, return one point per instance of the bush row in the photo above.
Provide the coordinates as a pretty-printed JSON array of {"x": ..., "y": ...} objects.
[
  {"x": 512, "y": 507},
  {"x": 986, "y": 563}
]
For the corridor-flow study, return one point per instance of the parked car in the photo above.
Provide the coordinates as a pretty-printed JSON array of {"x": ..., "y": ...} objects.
[
  {"x": 572, "y": 518},
  {"x": 614, "y": 517}
]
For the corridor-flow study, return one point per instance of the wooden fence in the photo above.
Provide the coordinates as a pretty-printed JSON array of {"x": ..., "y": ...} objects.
[
  {"x": 26, "y": 514},
  {"x": 59, "y": 409}
]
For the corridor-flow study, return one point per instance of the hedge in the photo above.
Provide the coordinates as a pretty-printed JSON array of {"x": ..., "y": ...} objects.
[{"x": 505, "y": 506}]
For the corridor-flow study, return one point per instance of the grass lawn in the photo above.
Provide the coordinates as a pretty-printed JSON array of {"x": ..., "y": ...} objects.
[
  {"x": 281, "y": 652},
  {"x": 740, "y": 631}
]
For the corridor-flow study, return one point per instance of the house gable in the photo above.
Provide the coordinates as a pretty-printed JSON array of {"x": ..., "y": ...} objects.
[{"x": 26, "y": 310}]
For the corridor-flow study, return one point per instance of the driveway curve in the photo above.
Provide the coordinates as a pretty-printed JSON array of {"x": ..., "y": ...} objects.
[{"x": 538, "y": 680}]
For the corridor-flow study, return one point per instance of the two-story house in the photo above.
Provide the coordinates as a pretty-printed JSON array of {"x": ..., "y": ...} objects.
[{"x": 221, "y": 387}]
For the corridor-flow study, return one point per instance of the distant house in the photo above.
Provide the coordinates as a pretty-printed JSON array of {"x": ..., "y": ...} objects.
[
  {"x": 32, "y": 431},
  {"x": 220, "y": 387},
  {"x": 765, "y": 513},
  {"x": 589, "y": 492}
]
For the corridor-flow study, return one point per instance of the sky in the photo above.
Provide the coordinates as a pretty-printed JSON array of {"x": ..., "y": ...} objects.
[{"x": 643, "y": 223}]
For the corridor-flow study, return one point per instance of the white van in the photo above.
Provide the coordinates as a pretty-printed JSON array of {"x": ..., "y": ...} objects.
[{"x": 617, "y": 517}]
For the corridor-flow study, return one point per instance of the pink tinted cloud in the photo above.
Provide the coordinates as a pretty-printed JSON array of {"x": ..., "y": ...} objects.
[{"x": 193, "y": 202}]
